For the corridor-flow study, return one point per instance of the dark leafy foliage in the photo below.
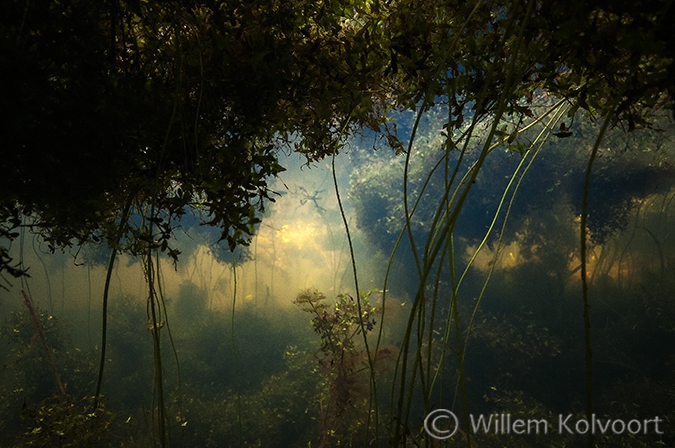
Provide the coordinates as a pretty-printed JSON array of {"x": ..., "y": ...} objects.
[
  {"x": 185, "y": 104},
  {"x": 119, "y": 116},
  {"x": 168, "y": 104}
]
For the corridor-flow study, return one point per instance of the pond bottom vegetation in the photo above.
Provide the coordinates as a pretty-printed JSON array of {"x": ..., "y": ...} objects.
[{"x": 315, "y": 385}]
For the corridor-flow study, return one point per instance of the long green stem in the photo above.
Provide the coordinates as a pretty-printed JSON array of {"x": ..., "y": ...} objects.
[
  {"x": 445, "y": 227},
  {"x": 234, "y": 349},
  {"x": 373, "y": 383},
  {"x": 154, "y": 314},
  {"x": 49, "y": 283},
  {"x": 43, "y": 341},
  {"x": 156, "y": 327},
  {"x": 106, "y": 290},
  {"x": 168, "y": 329},
  {"x": 542, "y": 137}
]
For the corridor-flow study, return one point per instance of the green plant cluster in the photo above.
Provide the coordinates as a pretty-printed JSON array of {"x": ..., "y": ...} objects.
[
  {"x": 524, "y": 361},
  {"x": 517, "y": 311},
  {"x": 186, "y": 105},
  {"x": 339, "y": 324},
  {"x": 175, "y": 104},
  {"x": 36, "y": 409},
  {"x": 278, "y": 405},
  {"x": 121, "y": 116},
  {"x": 281, "y": 411},
  {"x": 344, "y": 362},
  {"x": 632, "y": 166},
  {"x": 59, "y": 422}
]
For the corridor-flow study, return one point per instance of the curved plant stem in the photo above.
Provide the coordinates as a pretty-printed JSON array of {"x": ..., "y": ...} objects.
[
  {"x": 89, "y": 305},
  {"x": 168, "y": 329},
  {"x": 43, "y": 341},
  {"x": 155, "y": 319},
  {"x": 371, "y": 366},
  {"x": 662, "y": 259},
  {"x": 234, "y": 349},
  {"x": 49, "y": 283},
  {"x": 106, "y": 290},
  {"x": 441, "y": 233},
  {"x": 539, "y": 141},
  {"x": 156, "y": 313}
]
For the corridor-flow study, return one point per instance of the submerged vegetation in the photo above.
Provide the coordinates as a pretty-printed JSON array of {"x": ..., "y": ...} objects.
[
  {"x": 522, "y": 358},
  {"x": 519, "y": 219},
  {"x": 344, "y": 364}
]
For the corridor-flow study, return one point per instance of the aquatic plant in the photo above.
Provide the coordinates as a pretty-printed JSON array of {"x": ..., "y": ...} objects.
[
  {"x": 41, "y": 335},
  {"x": 50, "y": 416},
  {"x": 517, "y": 199},
  {"x": 142, "y": 84},
  {"x": 343, "y": 362},
  {"x": 281, "y": 411},
  {"x": 61, "y": 422}
]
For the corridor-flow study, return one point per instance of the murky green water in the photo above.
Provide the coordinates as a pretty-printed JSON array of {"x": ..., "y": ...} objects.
[{"x": 245, "y": 362}]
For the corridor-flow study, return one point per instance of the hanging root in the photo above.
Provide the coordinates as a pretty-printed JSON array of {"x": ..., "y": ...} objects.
[{"x": 43, "y": 340}]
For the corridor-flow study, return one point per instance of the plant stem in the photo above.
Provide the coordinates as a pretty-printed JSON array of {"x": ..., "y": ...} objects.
[{"x": 43, "y": 341}]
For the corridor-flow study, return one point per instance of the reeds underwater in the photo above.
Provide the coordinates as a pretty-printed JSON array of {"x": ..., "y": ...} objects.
[
  {"x": 516, "y": 243},
  {"x": 495, "y": 329}
]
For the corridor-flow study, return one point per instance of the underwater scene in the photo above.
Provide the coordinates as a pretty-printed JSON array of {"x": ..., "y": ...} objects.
[{"x": 386, "y": 298}]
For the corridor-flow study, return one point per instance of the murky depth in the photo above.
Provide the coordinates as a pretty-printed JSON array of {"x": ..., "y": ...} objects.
[{"x": 263, "y": 346}]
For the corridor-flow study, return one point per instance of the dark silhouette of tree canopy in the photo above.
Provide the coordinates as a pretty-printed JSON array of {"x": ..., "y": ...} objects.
[
  {"x": 112, "y": 104},
  {"x": 170, "y": 103},
  {"x": 119, "y": 116}
]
